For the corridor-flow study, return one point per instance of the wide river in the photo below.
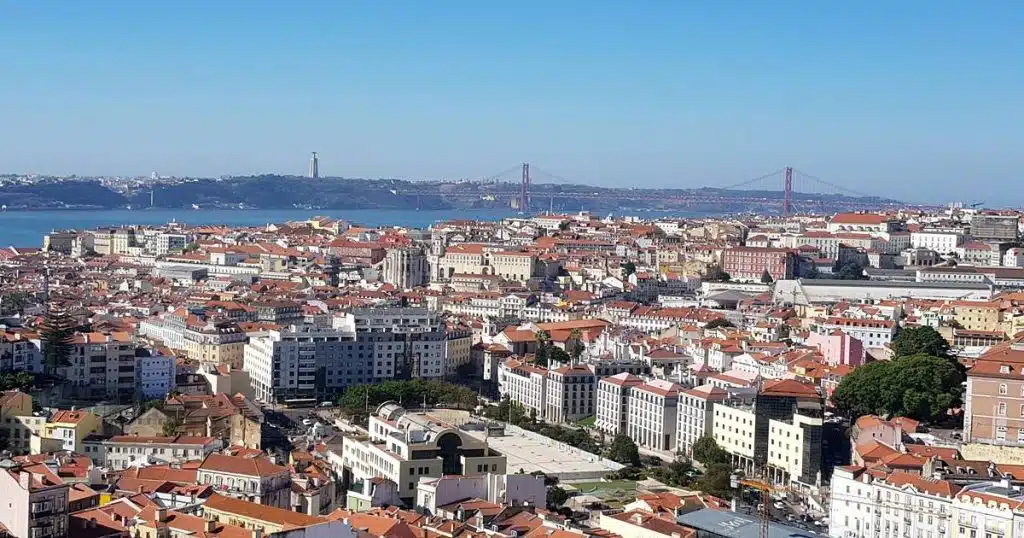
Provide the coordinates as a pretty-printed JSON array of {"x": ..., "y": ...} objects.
[{"x": 27, "y": 228}]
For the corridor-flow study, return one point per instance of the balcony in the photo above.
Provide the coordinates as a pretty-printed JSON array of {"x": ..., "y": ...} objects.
[
  {"x": 41, "y": 509},
  {"x": 41, "y": 531},
  {"x": 966, "y": 522},
  {"x": 995, "y": 528}
]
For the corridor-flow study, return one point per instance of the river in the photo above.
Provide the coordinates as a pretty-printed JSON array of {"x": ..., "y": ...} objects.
[{"x": 27, "y": 228}]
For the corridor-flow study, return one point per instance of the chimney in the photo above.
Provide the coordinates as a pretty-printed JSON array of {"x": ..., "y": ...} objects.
[
  {"x": 210, "y": 525},
  {"x": 257, "y": 532},
  {"x": 161, "y": 515},
  {"x": 25, "y": 480},
  {"x": 639, "y": 519}
]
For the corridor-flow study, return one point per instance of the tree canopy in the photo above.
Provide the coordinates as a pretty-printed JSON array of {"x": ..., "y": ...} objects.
[
  {"x": 22, "y": 381},
  {"x": 849, "y": 270},
  {"x": 716, "y": 480},
  {"x": 57, "y": 338},
  {"x": 919, "y": 340},
  {"x": 922, "y": 387},
  {"x": 719, "y": 322},
  {"x": 707, "y": 451},
  {"x": 766, "y": 277},
  {"x": 624, "y": 451},
  {"x": 628, "y": 268},
  {"x": 715, "y": 273},
  {"x": 410, "y": 392}
]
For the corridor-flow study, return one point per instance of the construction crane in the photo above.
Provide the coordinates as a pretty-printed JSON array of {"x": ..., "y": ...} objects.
[{"x": 764, "y": 489}]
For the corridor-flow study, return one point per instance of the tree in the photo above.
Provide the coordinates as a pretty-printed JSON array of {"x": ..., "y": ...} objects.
[
  {"x": 922, "y": 387},
  {"x": 719, "y": 322},
  {"x": 171, "y": 426},
  {"x": 14, "y": 303},
  {"x": 22, "y": 381},
  {"x": 716, "y": 480},
  {"x": 575, "y": 345},
  {"x": 918, "y": 340},
  {"x": 628, "y": 268},
  {"x": 556, "y": 497},
  {"x": 557, "y": 355},
  {"x": 715, "y": 273},
  {"x": 540, "y": 357},
  {"x": 849, "y": 270},
  {"x": 708, "y": 453},
  {"x": 624, "y": 451},
  {"x": 766, "y": 277},
  {"x": 57, "y": 338}
]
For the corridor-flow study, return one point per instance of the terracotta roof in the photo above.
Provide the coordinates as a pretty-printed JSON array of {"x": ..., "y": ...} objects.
[
  {"x": 236, "y": 465},
  {"x": 270, "y": 514}
]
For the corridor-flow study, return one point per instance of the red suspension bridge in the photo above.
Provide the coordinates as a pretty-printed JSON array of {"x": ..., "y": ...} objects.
[{"x": 786, "y": 191}]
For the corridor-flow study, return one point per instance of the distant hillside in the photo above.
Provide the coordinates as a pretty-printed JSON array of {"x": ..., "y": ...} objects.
[{"x": 286, "y": 192}]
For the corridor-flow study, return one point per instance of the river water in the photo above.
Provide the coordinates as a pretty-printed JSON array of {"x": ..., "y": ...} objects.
[{"x": 27, "y": 228}]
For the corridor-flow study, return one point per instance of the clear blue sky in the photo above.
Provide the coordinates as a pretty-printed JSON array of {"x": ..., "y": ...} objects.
[{"x": 917, "y": 99}]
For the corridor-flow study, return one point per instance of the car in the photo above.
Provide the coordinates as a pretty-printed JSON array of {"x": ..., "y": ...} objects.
[
  {"x": 779, "y": 506},
  {"x": 307, "y": 422}
]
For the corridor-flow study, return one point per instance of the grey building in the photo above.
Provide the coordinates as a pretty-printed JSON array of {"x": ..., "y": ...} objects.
[{"x": 406, "y": 267}]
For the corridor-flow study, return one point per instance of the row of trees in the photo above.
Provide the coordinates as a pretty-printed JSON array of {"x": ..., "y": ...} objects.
[
  {"x": 717, "y": 467},
  {"x": 922, "y": 381},
  {"x": 409, "y": 392},
  {"x": 514, "y": 413},
  {"x": 548, "y": 353}
]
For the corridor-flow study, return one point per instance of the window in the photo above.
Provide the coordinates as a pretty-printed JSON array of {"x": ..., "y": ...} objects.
[
  {"x": 1002, "y": 388},
  {"x": 1002, "y": 409}
]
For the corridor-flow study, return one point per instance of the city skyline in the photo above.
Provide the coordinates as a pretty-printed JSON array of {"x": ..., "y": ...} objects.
[{"x": 895, "y": 100}]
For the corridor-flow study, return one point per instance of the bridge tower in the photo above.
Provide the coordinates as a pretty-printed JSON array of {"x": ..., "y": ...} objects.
[
  {"x": 524, "y": 190},
  {"x": 787, "y": 193}
]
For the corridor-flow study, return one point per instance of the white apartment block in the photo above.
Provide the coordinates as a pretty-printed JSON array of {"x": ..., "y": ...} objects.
[
  {"x": 524, "y": 383},
  {"x": 124, "y": 451},
  {"x": 19, "y": 354},
  {"x": 732, "y": 426},
  {"x": 570, "y": 394},
  {"x": 898, "y": 505},
  {"x": 102, "y": 365},
  {"x": 941, "y": 242},
  {"x": 154, "y": 375},
  {"x": 510, "y": 265},
  {"x": 365, "y": 346},
  {"x": 694, "y": 414},
  {"x": 874, "y": 333},
  {"x": 257, "y": 479},
  {"x": 613, "y": 402},
  {"x": 652, "y": 414}
]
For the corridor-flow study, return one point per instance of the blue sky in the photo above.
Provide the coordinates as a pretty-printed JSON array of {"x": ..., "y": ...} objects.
[{"x": 922, "y": 100}]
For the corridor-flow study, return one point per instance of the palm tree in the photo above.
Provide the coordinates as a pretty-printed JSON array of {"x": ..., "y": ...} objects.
[{"x": 575, "y": 343}]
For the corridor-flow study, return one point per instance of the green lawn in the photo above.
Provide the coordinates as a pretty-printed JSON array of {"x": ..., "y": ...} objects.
[{"x": 586, "y": 422}]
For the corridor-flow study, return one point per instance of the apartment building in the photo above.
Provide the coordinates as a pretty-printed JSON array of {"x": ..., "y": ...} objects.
[
  {"x": 941, "y": 242},
  {"x": 365, "y": 346},
  {"x": 71, "y": 428},
  {"x": 215, "y": 342},
  {"x": 524, "y": 383},
  {"x": 467, "y": 258},
  {"x": 865, "y": 505},
  {"x": 994, "y": 399},
  {"x": 695, "y": 415},
  {"x": 873, "y": 333},
  {"x": 154, "y": 373},
  {"x": 35, "y": 504},
  {"x": 264, "y": 520},
  {"x": 995, "y": 227},
  {"x": 512, "y": 265},
  {"x": 123, "y": 451},
  {"x": 19, "y": 353},
  {"x": 257, "y": 479},
  {"x": 749, "y": 264},
  {"x": 652, "y": 411},
  {"x": 570, "y": 393},
  {"x": 458, "y": 345},
  {"x": 102, "y": 366},
  {"x": 779, "y": 430},
  {"x": 861, "y": 222},
  {"x": 613, "y": 402},
  {"x": 404, "y": 447}
]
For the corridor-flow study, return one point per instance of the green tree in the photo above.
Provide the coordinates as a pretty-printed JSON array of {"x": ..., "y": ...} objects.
[
  {"x": 766, "y": 277},
  {"x": 540, "y": 356},
  {"x": 922, "y": 387},
  {"x": 558, "y": 355},
  {"x": 57, "y": 338},
  {"x": 708, "y": 453},
  {"x": 624, "y": 451},
  {"x": 919, "y": 340},
  {"x": 628, "y": 268},
  {"x": 556, "y": 497},
  {"x": 715, "y": 273},
  {"x": 849, "y": 270},
  {"x": 575, "y": 345},
  {"x": 14, "y": 302},
  {"x": 23, "y": 381},
  {"x": 719, "y": 322},
  {"x": 716, "y": 480},
  {"x": 171, "y": 426}
]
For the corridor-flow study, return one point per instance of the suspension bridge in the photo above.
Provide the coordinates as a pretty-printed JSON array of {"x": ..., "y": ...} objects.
[{"x": 785, "y": 191}]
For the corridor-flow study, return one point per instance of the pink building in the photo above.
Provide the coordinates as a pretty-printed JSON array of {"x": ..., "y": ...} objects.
[{"x": 838, "y": 348}]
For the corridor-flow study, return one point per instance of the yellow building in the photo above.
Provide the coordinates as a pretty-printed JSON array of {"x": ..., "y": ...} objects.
[
  {"x": 979, "y": 316},
  {"x": 252, "y": 516},
  {"x": 71, "y": 427}
]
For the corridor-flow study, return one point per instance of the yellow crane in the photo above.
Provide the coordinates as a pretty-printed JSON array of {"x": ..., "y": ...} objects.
[{"x": 765, "y": 490}]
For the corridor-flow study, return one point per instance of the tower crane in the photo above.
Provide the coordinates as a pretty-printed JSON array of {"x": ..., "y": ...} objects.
[{"x": 764, "y": 489}]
